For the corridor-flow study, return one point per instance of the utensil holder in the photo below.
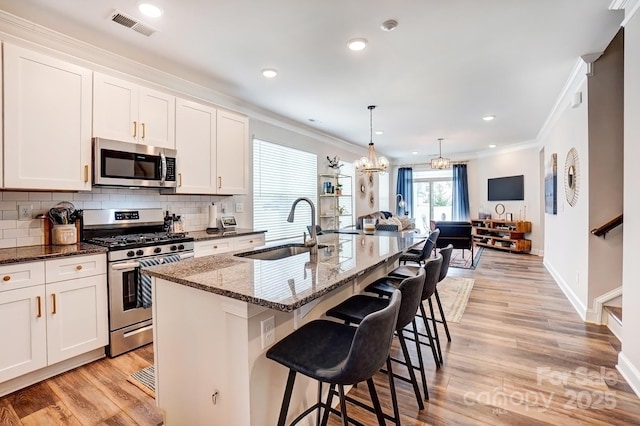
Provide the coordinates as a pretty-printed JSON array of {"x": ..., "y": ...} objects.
[{"x": 64, "y": 234}]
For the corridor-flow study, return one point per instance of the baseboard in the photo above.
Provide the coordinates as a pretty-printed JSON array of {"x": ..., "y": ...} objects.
[
  {"x": 594, "y": 314},
  {"x": 629, "y": 372},
  {"x": 614, "y": 325},
  {"x": 575, "y": 301},
  {"x": 29, "y": 379}
]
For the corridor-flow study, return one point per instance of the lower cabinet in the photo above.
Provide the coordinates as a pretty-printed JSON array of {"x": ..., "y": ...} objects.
[
  {"x": 51, "y": 320},
  {"x": 222, "y": 245}
]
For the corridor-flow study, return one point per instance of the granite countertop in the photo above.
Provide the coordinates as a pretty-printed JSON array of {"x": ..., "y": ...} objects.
[
  {"x": 289, "y": 283},
  {"x": 237, "y": 232},
  {"x": 33, "y": 253}
]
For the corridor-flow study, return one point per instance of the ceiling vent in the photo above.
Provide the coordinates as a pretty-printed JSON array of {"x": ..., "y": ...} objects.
[{"x": 131, "y": 23}]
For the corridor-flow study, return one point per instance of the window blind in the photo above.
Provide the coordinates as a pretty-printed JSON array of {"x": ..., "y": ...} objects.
[{"x": 281, "y": 175}]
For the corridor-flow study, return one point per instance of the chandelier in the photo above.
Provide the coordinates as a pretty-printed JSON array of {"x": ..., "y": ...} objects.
[
  {"x": 371, "y": 163},
  {"x": 440, "y": 162}
]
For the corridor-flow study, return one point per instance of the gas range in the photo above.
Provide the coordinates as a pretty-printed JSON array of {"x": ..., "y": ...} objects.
[{"x": 134, "y": 246}]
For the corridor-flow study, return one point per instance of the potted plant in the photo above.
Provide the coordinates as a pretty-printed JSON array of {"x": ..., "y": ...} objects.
[
  {"x": 338, "y": 189},
  {"x": 334, "y": 165}
]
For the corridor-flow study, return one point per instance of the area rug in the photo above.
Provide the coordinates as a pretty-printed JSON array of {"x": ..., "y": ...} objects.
[
  {"x": 454, "y": 295},
  {"x": 457, "y": 261},
  {"x": 145, "y": 380}
]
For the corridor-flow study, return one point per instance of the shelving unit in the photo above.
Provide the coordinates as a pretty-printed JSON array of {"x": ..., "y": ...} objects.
[
  {"x": 332, "y": 198},
  {"x": 502, "y": 234}
]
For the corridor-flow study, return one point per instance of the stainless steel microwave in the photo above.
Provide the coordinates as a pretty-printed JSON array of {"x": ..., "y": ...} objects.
[{"x": 128, "y": 164}]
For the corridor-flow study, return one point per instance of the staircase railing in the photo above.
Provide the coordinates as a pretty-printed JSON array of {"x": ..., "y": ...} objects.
[{"x": 604, "y": 229}]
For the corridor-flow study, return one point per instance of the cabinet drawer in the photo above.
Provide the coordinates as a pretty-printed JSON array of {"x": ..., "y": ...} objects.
[
  {"x": 71, "y": 267},
  {"x": 21, "y": 275},
  {"x": 249, "y": 241},
  {"x": 207, "y": 248}
]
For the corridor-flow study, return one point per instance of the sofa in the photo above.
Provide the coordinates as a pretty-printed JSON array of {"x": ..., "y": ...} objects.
[
  {"x": 456, "y": 233},
  {"x": 387, "y": 221}
]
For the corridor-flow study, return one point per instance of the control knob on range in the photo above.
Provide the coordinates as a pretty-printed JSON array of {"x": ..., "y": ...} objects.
[
  {"x": 173, "y": 248},
  {"x": 181, "y": 247},
  {"x": 130, "y": 253},
  {"x": 157, "y": 250},
  {"x": 139, "y": 252}
]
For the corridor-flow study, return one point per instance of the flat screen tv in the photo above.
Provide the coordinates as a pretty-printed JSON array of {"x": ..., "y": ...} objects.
[{"x": 506, "y": 188}]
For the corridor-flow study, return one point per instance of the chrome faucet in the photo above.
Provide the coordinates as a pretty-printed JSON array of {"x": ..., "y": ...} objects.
[{"x": 312, "y": 242}]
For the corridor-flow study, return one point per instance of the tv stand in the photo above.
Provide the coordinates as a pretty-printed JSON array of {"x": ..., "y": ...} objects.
[{"x": 502, "y": 234}]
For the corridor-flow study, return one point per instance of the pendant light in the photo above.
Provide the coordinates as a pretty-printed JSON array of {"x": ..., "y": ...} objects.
[
  {"x": 440, "y": 162},
  {"x": 371, "y": 163}
]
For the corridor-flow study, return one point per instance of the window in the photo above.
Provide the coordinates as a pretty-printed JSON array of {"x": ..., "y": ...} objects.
[
  {"x": 280, "y": 176},
  {"x": 432, "y": 190}
]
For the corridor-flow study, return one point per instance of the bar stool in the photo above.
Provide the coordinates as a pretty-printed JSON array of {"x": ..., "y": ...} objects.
[
  {"x": 420, "y": 255},
  {"x": 446, "y": 259},
  {"x": 338, "y": 354},
  {"x": 432, "y": 269},
  {"x": 356, "y": 308}
]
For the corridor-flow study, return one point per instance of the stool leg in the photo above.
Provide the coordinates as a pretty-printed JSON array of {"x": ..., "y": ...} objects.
[
  {"x": 420, "y": 361},
  {"x": 435, "y": 331},
  {"x": 444, "y": 320},
  {"x": 376, "y": 401},
  {"x": 432, "y": 344},
  {"x": 412, "y": 374},
  {"x": 319, "y": 403},
  {"x": 392, "y": 390},
  {"x": 343, "y": 406},
  {"x": 287, "y": 398},
  {"x": 327, "y": 409}
]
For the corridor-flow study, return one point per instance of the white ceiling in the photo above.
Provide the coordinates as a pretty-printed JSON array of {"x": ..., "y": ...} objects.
[{"x": 448, "y": 63}]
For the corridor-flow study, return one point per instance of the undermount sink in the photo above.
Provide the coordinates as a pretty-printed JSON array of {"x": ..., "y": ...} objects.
[{"x": 277, "y": 252}]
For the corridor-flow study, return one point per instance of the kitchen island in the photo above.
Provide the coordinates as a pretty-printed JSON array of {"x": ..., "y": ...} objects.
[{"x": 215, "y": 317}]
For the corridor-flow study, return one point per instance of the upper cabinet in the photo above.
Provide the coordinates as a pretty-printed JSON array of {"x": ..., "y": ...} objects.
[
  {"x": 213, "y": 150},
  {"x": 128, "y": 112},
  {"x": 196, "y": 146},
  {"x": 47, "y": 122},
  {"x": 232, "y": 153}
]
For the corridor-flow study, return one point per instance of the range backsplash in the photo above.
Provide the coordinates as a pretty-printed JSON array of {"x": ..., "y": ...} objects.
[{"x": 18, "y": 233}]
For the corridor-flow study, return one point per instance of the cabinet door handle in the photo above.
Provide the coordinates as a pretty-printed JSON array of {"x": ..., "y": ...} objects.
[
  {"x": 143, "y": 130},
  {"x": 39, "y": 315},
  {"x": 219, "y": 182},
  {"x": 6, "y": 278},
  {"x": 86, "y": 173},
  {"x": 135, "y": 129},
  {"x": 179, "y": 179},
  {"x": 54, "y": 309},
  {"x": 250, "y": 241},
  {"x": 79, "y": 268},
  {"x": 215, "y": 247}
]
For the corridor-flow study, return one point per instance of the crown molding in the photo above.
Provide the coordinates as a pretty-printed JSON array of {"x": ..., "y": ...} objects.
[{"x": 630, "y": 9}]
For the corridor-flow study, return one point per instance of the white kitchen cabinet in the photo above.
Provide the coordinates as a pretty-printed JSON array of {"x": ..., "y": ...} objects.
[
  {"x": 232, "y": 153},
  {"x": 128, "y": 112},
  {"x": 196, "y": 146},
  {"x": 47, "y": 122},
  {"x": 53, "y": 310},
  {"x": 223, "y": 245}
]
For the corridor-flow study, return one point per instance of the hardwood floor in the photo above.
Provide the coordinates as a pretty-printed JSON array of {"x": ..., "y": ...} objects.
[{"x": 520, "y": 355}]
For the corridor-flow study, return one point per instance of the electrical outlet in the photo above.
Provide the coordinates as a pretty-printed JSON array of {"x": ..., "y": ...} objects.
[
  {"x": 25, "y": 211},
  {"x": 268, "y": 332},
  {"x": 239, "y": 207}
]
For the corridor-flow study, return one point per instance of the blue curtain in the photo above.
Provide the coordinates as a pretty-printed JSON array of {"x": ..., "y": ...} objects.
[
  {"x": 460, "y": 202},
  {"x": 405, "y": 188}
]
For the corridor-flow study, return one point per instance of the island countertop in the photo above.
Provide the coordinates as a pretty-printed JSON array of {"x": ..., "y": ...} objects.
[{"x": 289, "y": 283}]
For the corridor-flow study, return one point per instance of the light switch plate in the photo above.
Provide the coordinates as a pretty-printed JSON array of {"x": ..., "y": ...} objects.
[
  {"x": 25, "y": 211},
  {"x": 268, "y": 332},
  {"x": 239, "y": 207}
]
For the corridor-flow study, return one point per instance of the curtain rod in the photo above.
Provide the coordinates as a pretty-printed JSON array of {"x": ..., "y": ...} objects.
[{"x": 428, "y": 164}]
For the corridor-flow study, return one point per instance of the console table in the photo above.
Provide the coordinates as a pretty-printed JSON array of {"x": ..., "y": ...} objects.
[{"x": 502, "y": 234}]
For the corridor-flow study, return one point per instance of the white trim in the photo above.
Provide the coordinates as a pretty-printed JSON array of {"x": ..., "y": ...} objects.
[
  {"x": 614, "y": 324},
  {"x": 628, "y": 15},
  {"x": 568, "y": 292},
  {"x": 594, "y": 315},
  {"x": 618, "y": 4},
  {"x": 629, "y": 372}
]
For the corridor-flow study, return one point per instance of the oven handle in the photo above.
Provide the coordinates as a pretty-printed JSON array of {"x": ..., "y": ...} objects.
[{"x": 133, "y": 265}]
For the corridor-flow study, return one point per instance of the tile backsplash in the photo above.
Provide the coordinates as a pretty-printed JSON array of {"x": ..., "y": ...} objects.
[{"x": 18, "y": 233}]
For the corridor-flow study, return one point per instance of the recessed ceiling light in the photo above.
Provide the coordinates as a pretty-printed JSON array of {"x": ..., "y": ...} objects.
[
  {"x": 357, "y": 44},
  {"x": 389, "y": 25},
  {"x": 150, "y": 10},
  {"x": 379, "y": 132},
  {"x": 269, "y": 72},
  {"x": 488, "y": 117},
  {"x": 415, "y": 152},
  {"x": 492, "y": 146}
]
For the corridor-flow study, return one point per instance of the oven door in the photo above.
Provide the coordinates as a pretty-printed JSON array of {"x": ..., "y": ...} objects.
[{"x": 124, "y": 281}]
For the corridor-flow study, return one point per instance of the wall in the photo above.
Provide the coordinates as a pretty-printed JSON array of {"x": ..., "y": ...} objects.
[{"x": 629, "y": 358}]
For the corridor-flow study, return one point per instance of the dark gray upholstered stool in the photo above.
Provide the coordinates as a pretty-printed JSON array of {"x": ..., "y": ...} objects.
[
  {"x": 356, "y": 308},
  {"x": 420, "y": 255},
  {"x": 432, "y": 269},
  {"x": 446, "y": 259},
  {"x": 337, "y": 354}
]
